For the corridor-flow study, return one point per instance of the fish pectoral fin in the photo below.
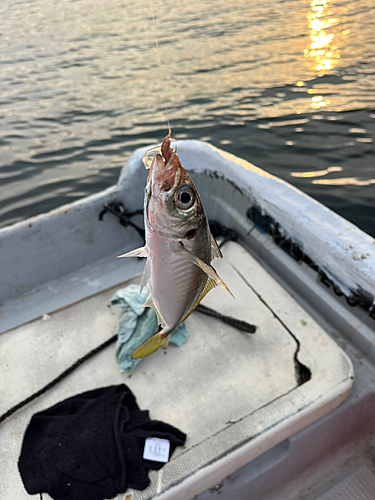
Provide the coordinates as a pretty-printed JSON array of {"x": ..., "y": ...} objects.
[
  {"x": 138, "y": 252},
  {"x": 141, "y": 252},
  {"x": 209, "y": 270},
  {"x": 158, "y": 340},
  {"x": 215, "y": 249}
]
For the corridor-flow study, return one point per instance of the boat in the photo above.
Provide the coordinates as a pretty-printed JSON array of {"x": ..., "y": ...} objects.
[{"x": 285, "y": 413}]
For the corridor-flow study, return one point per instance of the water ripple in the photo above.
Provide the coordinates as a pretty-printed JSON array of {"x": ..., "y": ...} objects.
[{"x": 80, "y": 90}]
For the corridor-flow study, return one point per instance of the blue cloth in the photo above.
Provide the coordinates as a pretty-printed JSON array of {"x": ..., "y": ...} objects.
[{"x": 137, "y": 325}]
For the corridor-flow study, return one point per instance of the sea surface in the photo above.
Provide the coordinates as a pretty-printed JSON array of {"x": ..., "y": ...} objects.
[{"x": 288, "y": 85}]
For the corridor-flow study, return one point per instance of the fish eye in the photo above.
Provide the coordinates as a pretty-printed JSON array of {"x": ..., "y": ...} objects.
[{"x": 185, "y": 198}]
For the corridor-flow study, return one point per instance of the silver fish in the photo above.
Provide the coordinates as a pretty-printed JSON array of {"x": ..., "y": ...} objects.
[{"x": 179, "y": 245}]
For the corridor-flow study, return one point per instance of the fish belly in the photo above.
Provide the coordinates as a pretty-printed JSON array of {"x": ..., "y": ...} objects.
[{"x": 175, "y": 282}]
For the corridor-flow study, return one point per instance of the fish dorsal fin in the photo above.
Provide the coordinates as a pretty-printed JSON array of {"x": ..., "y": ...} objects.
[
  {"x": 210, "y": 284},
  {"x": 215, "y": 250},
  {"x": 138, "y": 252},
  {"x": 209, "y": 270}
]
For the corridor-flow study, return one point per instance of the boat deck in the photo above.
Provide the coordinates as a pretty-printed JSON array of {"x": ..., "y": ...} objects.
[{"x": 235, "y": 395}]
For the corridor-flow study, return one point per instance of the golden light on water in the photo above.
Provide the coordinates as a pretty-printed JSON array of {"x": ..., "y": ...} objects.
[
  {"x": 316, "y": 173},
  {"x": 345, "y": 181},
  {"x": 323, "y": 53}
]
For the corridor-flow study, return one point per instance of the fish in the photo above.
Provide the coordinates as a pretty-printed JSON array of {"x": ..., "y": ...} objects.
[{"x": 179, "y": 246}]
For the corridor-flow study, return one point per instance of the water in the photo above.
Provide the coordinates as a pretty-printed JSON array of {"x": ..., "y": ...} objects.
[{"x": 288, "y": 85}]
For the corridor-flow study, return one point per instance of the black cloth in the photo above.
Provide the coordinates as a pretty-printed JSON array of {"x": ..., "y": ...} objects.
[{"x": 90, "y": 446}]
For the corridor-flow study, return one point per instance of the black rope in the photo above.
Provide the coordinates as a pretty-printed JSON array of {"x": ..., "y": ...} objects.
[
  {"x": 266, "y": 223},
  {"x": 240, "y": 325},
  {"x": 218, "y": 230},
  {"x": 236, "y": 323},
  {"x": 57, "y": 379},
  {"x": 117, "y": 208}
]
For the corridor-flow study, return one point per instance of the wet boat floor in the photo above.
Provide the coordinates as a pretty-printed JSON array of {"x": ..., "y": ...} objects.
[{"x": 234, "y": 394}]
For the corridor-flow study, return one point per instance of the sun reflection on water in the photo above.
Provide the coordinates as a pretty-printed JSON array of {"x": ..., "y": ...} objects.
[
  {"x": 323, "y": 54},
  {"x": 317, "y": 173}
]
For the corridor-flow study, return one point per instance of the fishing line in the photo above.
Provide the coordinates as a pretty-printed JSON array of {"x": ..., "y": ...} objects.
[{"x": 160, "y": 66}]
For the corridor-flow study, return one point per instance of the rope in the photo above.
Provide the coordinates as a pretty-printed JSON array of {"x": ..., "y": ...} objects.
[
  {"x": 58, "y": 379},
  {"x": 236, "y": 323},
  {"x": 118, "y": 209},
  {"x": 240, "y": 325}
]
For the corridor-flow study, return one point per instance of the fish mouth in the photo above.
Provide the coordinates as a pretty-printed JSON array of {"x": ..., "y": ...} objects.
[
  {"x": 164, "y": 166},
  {"x": 164, "y": 151}
]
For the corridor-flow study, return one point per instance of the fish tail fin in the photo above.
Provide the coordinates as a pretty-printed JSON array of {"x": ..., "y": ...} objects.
[
  {"x": 160, "y": 339},
  {"x": 165, "y": 342}
]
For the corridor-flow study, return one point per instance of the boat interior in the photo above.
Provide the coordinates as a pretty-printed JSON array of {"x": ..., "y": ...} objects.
[{"x": 284, "y": 413}]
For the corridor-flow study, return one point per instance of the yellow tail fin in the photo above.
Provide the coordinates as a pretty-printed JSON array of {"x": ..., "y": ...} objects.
[
  {"x": 165, "y": 342},
  {"x": 158, "y": 340}
]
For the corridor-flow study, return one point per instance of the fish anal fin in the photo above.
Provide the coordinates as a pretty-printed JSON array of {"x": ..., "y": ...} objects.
[
  {"x": 138, "y": 252},
  {"x": 209, "y": 270},
  {"x": 215, "y": 249},
  {"x": 146, "y": 275},
  {"x": 161, "y": 321},
  {"x": 150, "y": 303},
  {"x": 151, "y": 345}
]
